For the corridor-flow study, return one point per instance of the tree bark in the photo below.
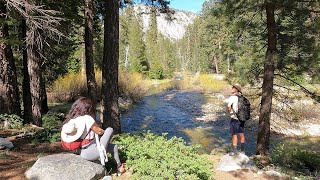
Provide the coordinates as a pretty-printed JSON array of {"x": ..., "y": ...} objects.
[
  {"x": 267, "y": 86},
  {"x": 88, "y": 38},
  {"x": 9, "y": 92},
  {"x": 109, "y": 102},
  {"x": 27, "y": 103},
  {"x": 35, "y": 73}
]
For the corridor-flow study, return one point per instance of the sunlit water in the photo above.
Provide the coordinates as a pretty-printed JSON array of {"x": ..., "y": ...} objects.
[{"x": 177, "y": 114}]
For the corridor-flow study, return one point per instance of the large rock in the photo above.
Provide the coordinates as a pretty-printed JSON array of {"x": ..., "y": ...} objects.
[
  {"x": 232, "y": 163},
  {"x": 5, "y": 144},
  {"x": 64, "y": 167}
]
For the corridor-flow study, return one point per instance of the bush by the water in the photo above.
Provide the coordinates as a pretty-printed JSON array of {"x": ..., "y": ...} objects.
[
  {"x": 132, "y": 85},
  {"x": 154, "y": 157},
  {"x": 68, "y": 87},
  {"x": 306, "y": 162},
  {"x": 203, "y": 82}
]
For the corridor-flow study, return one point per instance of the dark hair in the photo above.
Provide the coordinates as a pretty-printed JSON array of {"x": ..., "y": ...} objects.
[{"x": 82, "y": 106}]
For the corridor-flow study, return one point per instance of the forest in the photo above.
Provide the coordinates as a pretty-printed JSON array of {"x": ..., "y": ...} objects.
[{"x": 53, "y": 51}]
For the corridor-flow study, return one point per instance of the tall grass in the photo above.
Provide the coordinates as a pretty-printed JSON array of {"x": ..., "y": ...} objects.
[
  {"x": 206, "y": 83},
  {"x": 68, "y": 87},
  {"x": 133, "y": 85}
]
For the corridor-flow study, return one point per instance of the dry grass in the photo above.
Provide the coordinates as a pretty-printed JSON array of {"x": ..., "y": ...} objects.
[
  {"x": 206, "y": 83},
  {"x": 133, "y": 85},
  {"x": 68, "y": 87}
]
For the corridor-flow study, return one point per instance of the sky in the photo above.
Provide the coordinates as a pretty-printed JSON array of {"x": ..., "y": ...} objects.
[{"x": 189, "y": 5}]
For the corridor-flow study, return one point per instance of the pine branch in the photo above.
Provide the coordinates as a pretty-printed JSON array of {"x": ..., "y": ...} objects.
[
  {"x": 42, "y": 23},
  {"x": 305, "y": 90},
  {"x": 284, "y": 87}
]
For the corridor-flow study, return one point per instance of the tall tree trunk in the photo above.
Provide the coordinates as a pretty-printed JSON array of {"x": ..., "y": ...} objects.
[
  {"x": 27, "y": 103},
  {"x": 109, "y": 103},
  {"x": 9, "y": 92},
  {"x": 267, "y": 86},
  {"x": 35, "y": 73},
  {"x": 88, "y": 38}
]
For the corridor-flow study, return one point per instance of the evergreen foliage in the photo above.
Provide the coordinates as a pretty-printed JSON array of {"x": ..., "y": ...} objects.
[
  {"x": 154, "y": 157},
  {"x": 153, "y": 51},
  {"x": 136, "y": 45},
  {"x": 147, "y": 52}
]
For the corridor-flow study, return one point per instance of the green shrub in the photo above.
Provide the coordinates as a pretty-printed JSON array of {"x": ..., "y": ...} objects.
[
  {"x": 51, "y": 121},
  {"x": 47, "y": 135},
  {"x": 154, "y": 157},
  {"x": 15, "y": 121},
  {"x": 156, "y": 72},
  {"x": 303, "y": 161}
]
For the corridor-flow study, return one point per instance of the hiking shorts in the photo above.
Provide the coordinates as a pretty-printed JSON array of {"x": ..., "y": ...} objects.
[{"x": 236, "y": 126}]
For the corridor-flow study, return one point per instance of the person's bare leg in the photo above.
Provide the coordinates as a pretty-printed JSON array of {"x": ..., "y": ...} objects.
[
  {"x": 234, "y": 144},
  {"x": 242, "y": 141},
  {"x": 242, "y": 138},
  {"x": 235, "y": 140}
]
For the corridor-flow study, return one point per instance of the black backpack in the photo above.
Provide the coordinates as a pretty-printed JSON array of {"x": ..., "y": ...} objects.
[{"x": 243, "y": 113}]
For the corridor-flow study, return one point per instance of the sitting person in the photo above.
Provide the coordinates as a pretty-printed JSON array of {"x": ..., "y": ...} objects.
[{"x": 80, "y": 125}]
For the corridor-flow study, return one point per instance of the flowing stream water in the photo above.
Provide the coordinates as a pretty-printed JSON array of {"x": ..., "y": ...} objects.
[{"x": 195, "y": 117}]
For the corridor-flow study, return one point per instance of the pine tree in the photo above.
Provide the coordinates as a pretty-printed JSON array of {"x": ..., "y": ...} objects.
[
  {"x": 136, "y": 45},
  {"x": 152, "y": 48},
  {"x": 124, "y": 20},
  {"x": 88, "y": 38},
  {"x": 109, "y": 102},
  {"x": 9, "y": 100},
  {"x": 168, "y": 56}
]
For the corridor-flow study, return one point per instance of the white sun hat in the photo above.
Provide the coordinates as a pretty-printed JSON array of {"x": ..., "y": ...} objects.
[{"x": 72, "y": 130}]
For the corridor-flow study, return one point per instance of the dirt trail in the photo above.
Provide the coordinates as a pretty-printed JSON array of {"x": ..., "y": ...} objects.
[
  {"x": 15, "y": 162},
  {"x": 239, "y": 174}
]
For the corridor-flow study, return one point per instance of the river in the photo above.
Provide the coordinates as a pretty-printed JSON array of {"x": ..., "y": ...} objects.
[{"x": 195, "y": 117}]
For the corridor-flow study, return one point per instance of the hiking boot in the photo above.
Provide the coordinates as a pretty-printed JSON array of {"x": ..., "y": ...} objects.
[
  {"x": 242, "y": 148},
  {"x": 234, "y": 152}
]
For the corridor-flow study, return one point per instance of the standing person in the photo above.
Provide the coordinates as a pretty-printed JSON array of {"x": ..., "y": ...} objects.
[
  {"x": 236, "y": 126},
  {"x": 80, "y": 125}
]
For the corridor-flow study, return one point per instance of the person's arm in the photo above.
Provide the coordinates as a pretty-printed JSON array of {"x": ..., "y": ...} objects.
[
  {"x": 95, "y": 128},
  {"x": 229, "y": 106},
  {"x": 229, "y": 109}
]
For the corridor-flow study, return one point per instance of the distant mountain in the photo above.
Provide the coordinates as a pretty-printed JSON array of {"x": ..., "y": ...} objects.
[{"x": 173, "y": 27}]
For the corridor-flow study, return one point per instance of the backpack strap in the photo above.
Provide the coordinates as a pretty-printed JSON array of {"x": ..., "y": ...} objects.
[
  {"x": 86, "y": 142},
  {"x": 88, "y": 133}
]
